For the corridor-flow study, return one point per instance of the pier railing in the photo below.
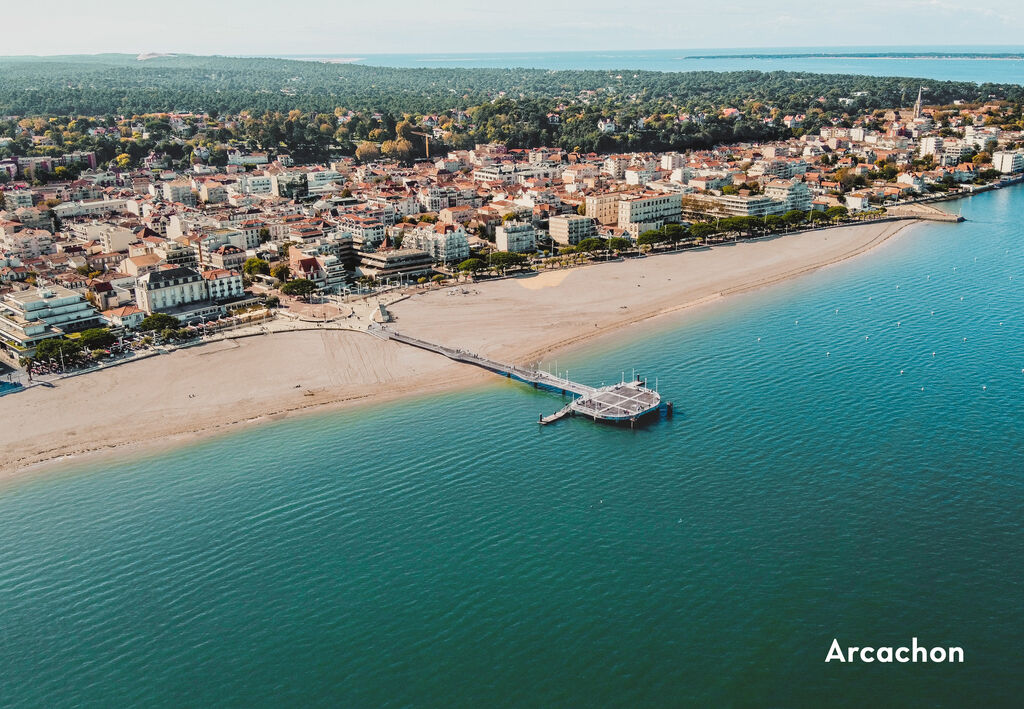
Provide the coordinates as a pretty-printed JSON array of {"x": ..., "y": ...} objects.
[{"x": 529, "y": 375}]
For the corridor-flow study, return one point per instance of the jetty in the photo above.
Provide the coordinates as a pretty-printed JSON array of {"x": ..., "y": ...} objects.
[{"x": 623, "y": 402}]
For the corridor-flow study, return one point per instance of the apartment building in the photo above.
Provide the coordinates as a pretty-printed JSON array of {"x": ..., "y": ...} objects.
[
  {"x": 368, "y": 233},
  {"x": 27, "y": 317},
  {"x": 169, "y": 288},
  {"x": 1008, "y": 162},
  {"x": 793, "y": 194},
  {"x": 603, "y": 208},
  {"x": 571, "y": 229},
  {"x": 223, "y": 284},
  {"x": 446, "y": 243},
  {"x": 649, "y": 211},
  {"x": 179, "y": 191},
  {"x": 16, "y": 240},
  {"x": 516, "y": 236}
]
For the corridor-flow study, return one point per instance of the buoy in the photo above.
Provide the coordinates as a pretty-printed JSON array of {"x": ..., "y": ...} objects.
[
  {"x": 828, "y": 354},
  {"x": 901, "y": 371}
]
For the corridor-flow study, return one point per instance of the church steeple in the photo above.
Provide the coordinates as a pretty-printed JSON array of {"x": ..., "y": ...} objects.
[{"x": 917, "y": 104}]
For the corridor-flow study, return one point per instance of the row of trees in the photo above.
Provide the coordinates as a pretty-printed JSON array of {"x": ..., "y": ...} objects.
[
  {"x": 315, "y": 110},
  {"x": 122, "y": 84}
]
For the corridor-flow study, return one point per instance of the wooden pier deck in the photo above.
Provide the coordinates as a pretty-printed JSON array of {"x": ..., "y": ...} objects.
[
  {"x": 530, "y": 376},
  {"x": 622, "y": 402}
]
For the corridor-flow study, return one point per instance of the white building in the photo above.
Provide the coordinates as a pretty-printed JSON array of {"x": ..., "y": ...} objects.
[
  {"x": 1008, "y": 162},
  {"x": 930, "y": 145},
  {"x": 367, "y": 232},
  {"x": 25, "y": 243},
  {"x": 235, "y": 157},
  {"x": 169, "y": 288},
  {"x": 223, "y": 284},
  {"x": 571, "y": 229},
  {"x": 516, "y": 236},
  {"x": 447, "y": 243},
  {"x": 670, "y": 161},
  {"x": 28, "y": 317},
  {"x": 649, "y": 211},
  {"x": 255, "y": 184},
  {"x": 639, "y": 175},
  {"x": 179, "y": 191},
  {"x": 791, "y": 193},
  {"x": 321, "y": 179},
  {"x": 17, "y": 198}
]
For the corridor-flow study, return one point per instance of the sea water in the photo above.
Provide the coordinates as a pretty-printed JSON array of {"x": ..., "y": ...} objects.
[
  {"x": 936, "y": 62},
  {"x": 845, "y": 461}
]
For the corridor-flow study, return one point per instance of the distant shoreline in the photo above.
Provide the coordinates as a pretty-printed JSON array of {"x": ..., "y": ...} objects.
[{"x": 867, "y": 55}]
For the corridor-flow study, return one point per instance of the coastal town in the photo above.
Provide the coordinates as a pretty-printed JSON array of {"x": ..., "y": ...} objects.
[{"x": 101, "y": 262}]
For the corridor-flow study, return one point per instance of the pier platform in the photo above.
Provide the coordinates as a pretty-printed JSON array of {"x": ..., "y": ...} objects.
[{"x": 625, "y": 402}]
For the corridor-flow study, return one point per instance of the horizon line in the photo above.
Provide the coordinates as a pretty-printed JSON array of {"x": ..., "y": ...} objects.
[{"x": 286, "y": 55}]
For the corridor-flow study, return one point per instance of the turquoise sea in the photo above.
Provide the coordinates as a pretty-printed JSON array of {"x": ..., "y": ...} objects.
[
  {"x": 842, "y": 463},
  {"x": 826, "y": 60}
]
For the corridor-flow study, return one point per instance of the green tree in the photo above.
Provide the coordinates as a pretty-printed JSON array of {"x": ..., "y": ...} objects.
[
  {"x": 650, "y": 238},
  {"x": 794, "y": 217},
  {"x": 56, "y": 347},
  {"x": 591, "y": 245},
  {"x": 504, "y": 260},
  {"x": 158, "y": 321},
  {"x": 702, "y": 230},
  {"x": 400, "y": 149},
  {"x": 367, "y": 152},
  {"x": 254, "y": 266},
  {"x": 300, "y": 287},
  {"x": 674, "y": 232},
  {"x": 281, "y": 272},
  {"x": 264, "y": 234},
  {"x": 97, "y": 338},
  {"x": 472, "y": 265},
  {"x": 617, "y": 243},
  {"x": 837, "y": 212}
]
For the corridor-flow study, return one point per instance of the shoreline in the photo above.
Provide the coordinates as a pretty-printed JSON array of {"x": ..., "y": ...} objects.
[{"x": 513, "y": 319}]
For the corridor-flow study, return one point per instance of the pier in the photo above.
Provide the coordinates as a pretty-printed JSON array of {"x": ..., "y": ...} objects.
[{"x": 624, "y": 402}]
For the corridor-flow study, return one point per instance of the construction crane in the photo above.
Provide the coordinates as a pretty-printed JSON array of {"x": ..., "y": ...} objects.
[{"x": 426, "y": 140}]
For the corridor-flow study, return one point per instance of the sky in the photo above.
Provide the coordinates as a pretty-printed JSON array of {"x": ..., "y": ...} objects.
[{"x": 360, "y": 27}]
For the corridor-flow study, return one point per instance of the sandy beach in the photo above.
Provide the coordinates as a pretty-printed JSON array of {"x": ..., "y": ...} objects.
[{"x": 217, "y": 387}]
